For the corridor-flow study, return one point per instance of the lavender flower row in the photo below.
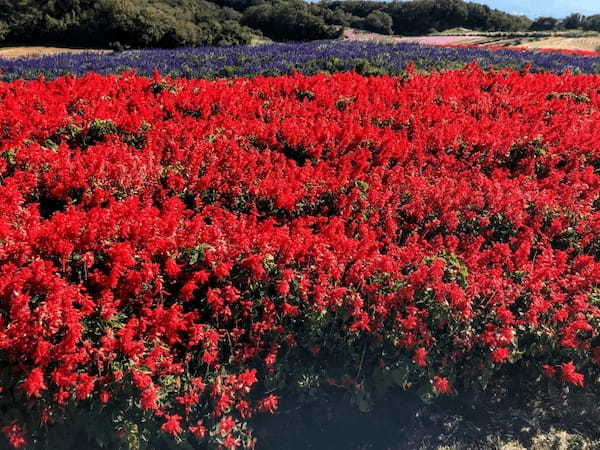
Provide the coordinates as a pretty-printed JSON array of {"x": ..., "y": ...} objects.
[{"x": 275, "y": 59}]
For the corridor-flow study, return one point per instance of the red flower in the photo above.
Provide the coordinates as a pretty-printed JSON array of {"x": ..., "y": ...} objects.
[
  {"x": 247, "y": 379},
  {"x": 283, "y": 288},
  {"x": 226, "y": 424},
  {"x": 500, "y": 355},
  {"x": 198, "y": 430},
  {"x": 172, "y": 269},
  {"x": 172, "y": 424},
  {"x": 420, "y": 357},
  {"x": 149, "y": 398},
  {"x": 548, "y": 370},
  {"x": 570, "y": 375},
  {"x": 269, "y": 404},
  {"x": 85, "y": 386},
  {"x": 14, "y": 434},
  {"x": 442, "y": 385},
  {"x": 187, "y": 291},
  {"x": 290, "y": 310},
  {"x": 34, "y": 383},
  {"x": 104, "y": 397},
  {"x": 230, "y": 442},
  {"x": 141, "y": 380},
  {"x": 222, "y": 270}
]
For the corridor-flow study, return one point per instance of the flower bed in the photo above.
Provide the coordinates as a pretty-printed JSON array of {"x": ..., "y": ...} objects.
[
  {"x": 562, "y": 51},
  {"x": 278, "y": 59},
  {"x": 181, "y": 252},
  {"x": 440, "y": 40}
]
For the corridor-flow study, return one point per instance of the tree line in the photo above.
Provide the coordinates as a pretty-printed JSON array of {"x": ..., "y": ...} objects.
[
  {"x": 172, "y": 23},
  {"x": 422, "y": 16},
  {"x": 572, "y": 22}
]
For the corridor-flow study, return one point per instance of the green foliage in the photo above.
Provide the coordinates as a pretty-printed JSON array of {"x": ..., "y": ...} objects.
[
  {"x": 122, "y": 24},
  {"x": 577, "y": 98},
  {"x": 379, "y": 22},
  {"x": 290, "y": 20},
  {"x": 544, "y": 24},
  {"x": 423, "y": 16},
  {"x": 99, "y": 128},
  {"x": 574, "y": 21}
]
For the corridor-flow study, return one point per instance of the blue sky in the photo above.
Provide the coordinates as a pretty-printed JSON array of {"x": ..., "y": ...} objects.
[{"x": 536, "y": 8}]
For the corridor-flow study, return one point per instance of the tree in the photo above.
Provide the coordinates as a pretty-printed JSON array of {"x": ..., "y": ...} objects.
[
  {"x": 339, "y": 17},
  {"x": 378, "y": 22},
  {"x": 171, "y": 23},
  {"x": 123, "y": 23},
  {"x": 290, "y": 21},
  {"x": 4, "y": 30},
  {"x": 592, "y": 22},
  {"x": 478, "y": 16},
  {"x": 573, "y": 21},
  {"x": 544, "y": 24}
]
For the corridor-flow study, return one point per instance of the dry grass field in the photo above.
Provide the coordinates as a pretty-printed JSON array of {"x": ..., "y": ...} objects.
[
  {"x": 360, "y": 35},
  {"x": 17, "y": 52},
  {"x": 565, "y": 43},
  {"x": 587, "y": 43}
]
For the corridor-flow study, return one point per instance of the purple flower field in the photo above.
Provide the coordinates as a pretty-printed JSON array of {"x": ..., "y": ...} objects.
[{"x": 370, "y": 58}]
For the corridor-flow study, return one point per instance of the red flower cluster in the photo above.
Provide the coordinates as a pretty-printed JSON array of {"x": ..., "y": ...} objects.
[{"x": 168, "y": 240}]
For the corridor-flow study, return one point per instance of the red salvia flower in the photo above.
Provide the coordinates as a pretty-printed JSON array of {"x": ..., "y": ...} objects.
[
  {"x": 442, "y": 385},
  {"x": 172, "y": 424},
  {"x": 152, "y": 240},
  {"x": 420, "y": 357},
  {"x": 570, "y": 375},
  {"x": 34, "y": 384}
]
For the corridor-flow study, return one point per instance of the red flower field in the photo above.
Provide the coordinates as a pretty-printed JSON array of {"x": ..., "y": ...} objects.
[{"x": 188, "y": 247}]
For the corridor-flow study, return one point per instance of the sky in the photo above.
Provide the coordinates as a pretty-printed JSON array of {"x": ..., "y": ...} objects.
[{"x": 537, "y": 8}]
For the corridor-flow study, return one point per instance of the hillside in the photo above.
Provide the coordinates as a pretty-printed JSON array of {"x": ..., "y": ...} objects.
[{"x": 172, "y": 23}]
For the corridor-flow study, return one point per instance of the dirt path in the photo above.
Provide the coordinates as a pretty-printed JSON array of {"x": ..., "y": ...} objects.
[{"x": 401, "y": 421}]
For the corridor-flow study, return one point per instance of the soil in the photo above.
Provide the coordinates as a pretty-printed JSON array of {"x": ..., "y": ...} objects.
[{"x": 402, "y": 421}]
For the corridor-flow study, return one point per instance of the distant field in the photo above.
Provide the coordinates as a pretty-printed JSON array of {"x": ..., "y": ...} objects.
[
  {"x": 17, "y": 52},
  {"x": 559, "y": 41},
  {"x": 583, "y": 43},
  {"x": 440, "y": 40},
  {"x": 522, "y": 34},
  {"x": 357, "y": 35}
]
